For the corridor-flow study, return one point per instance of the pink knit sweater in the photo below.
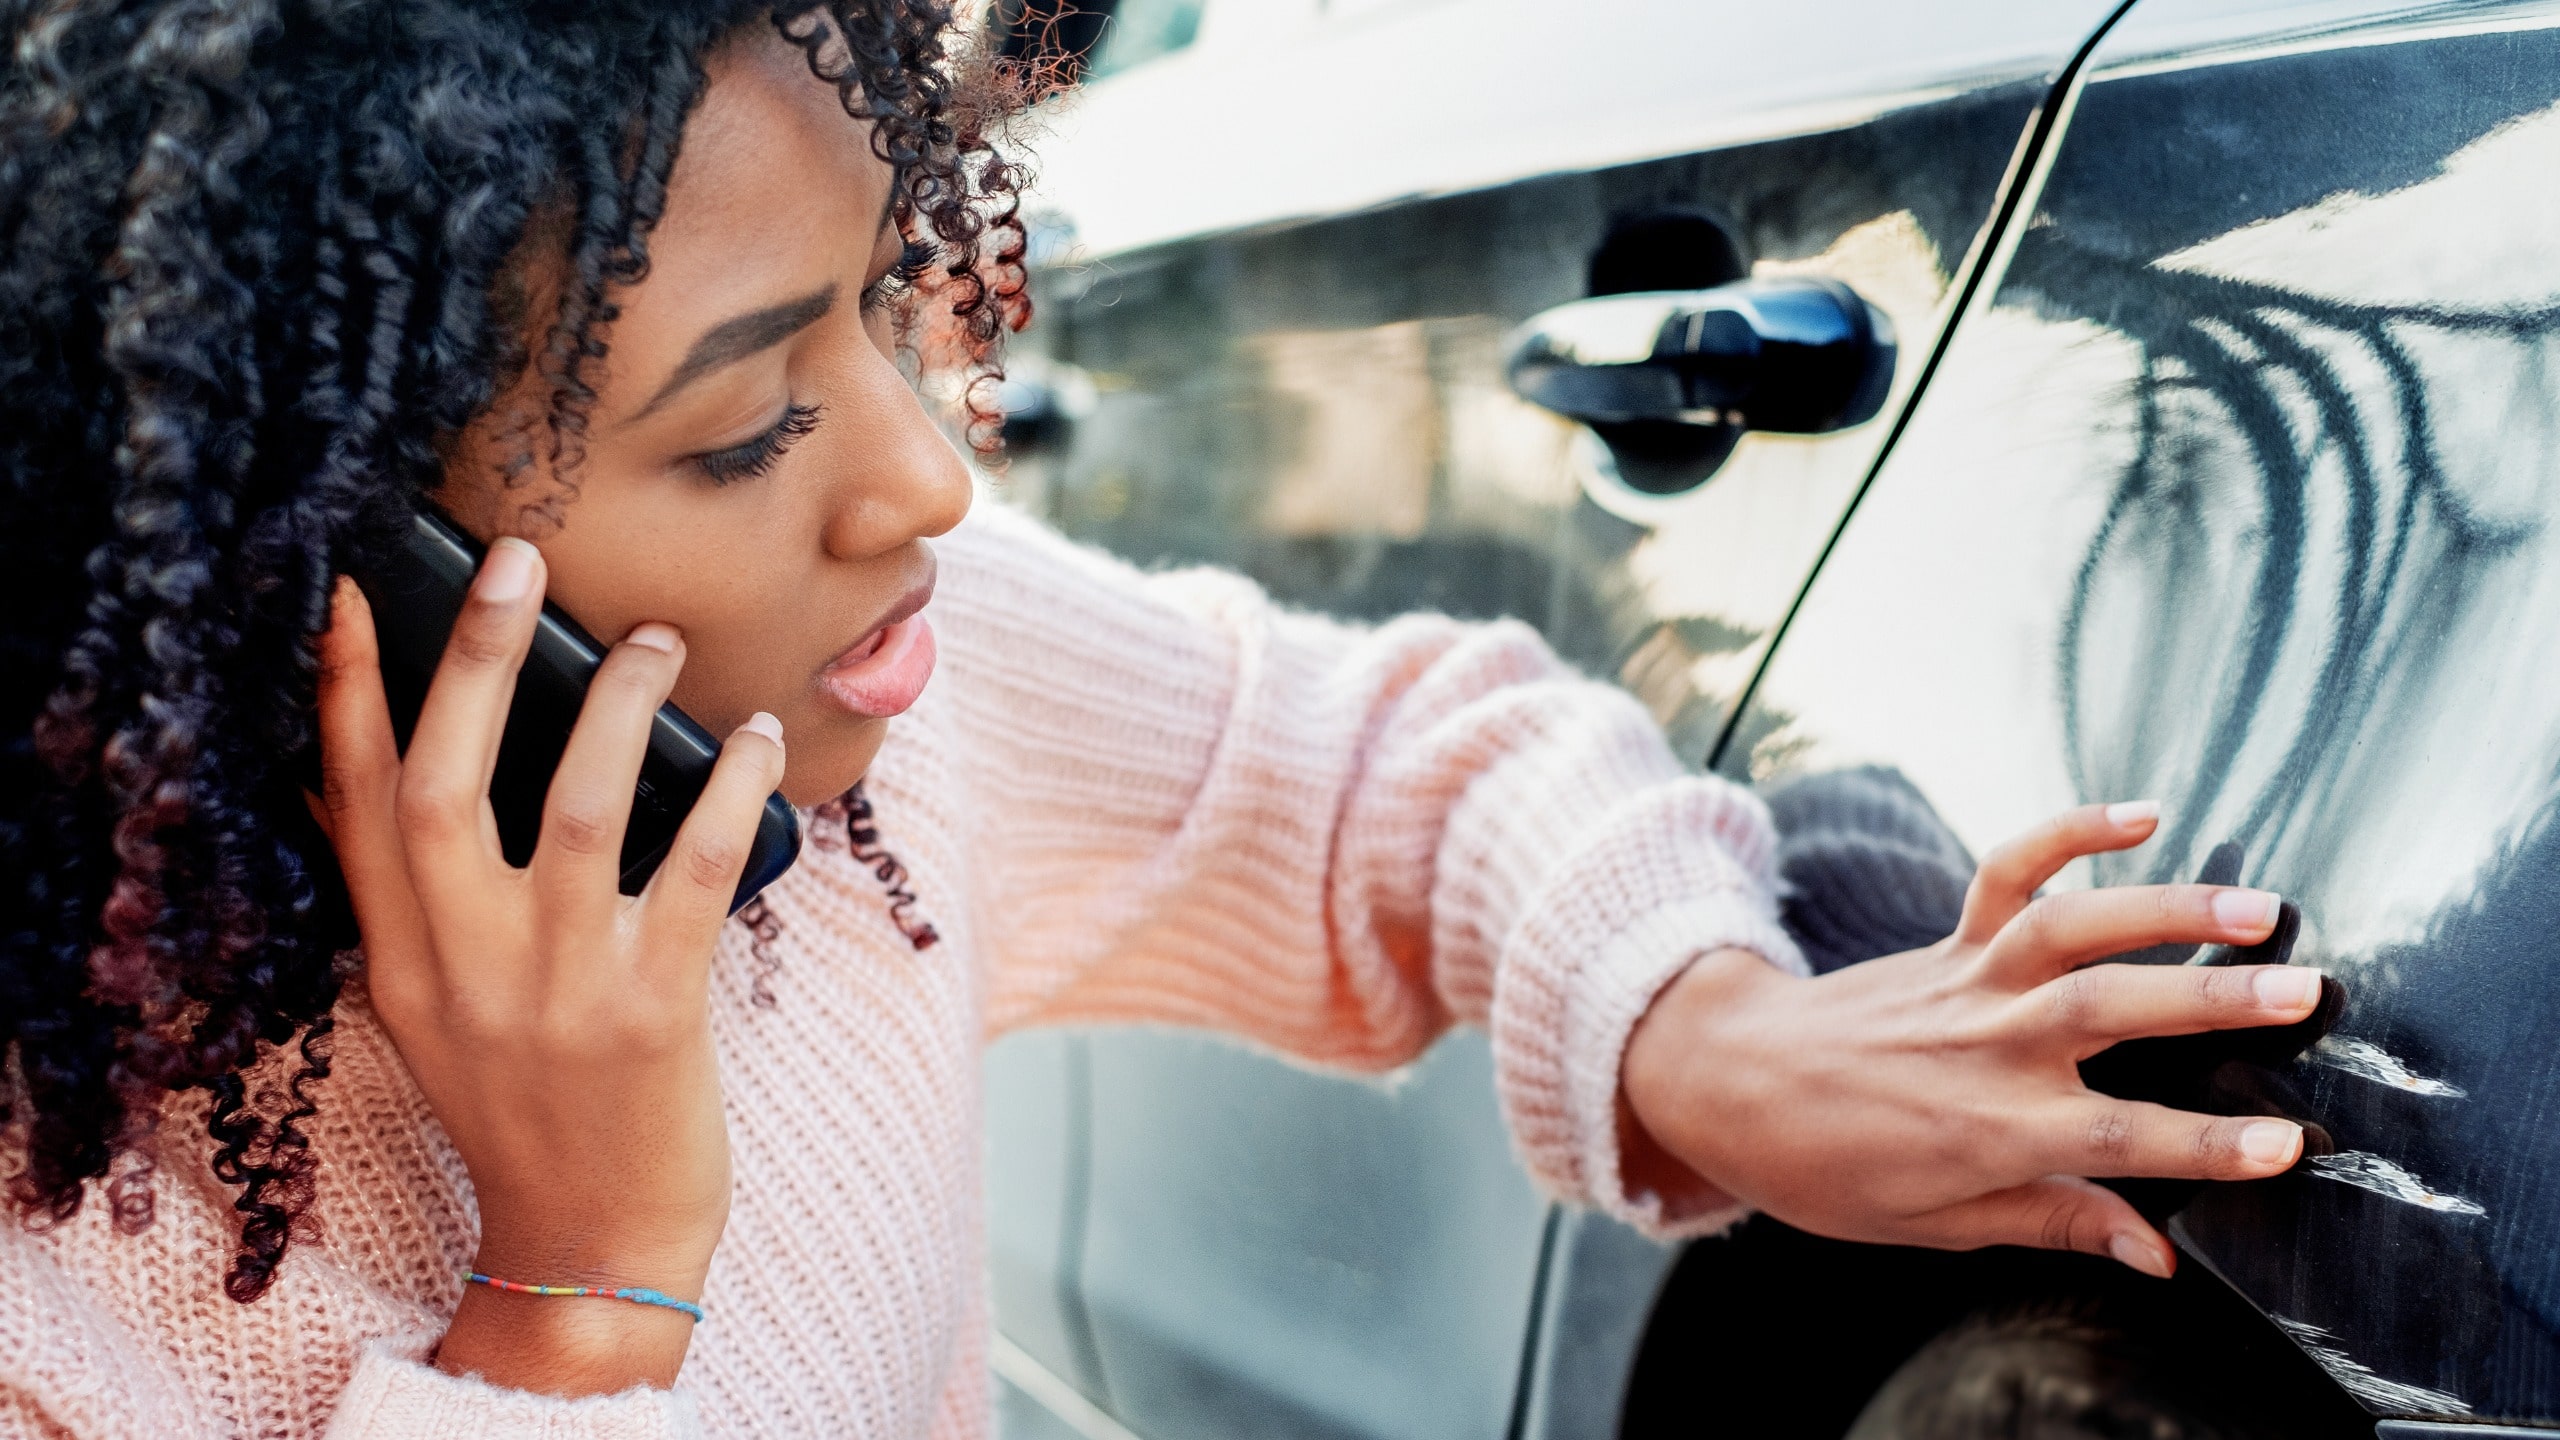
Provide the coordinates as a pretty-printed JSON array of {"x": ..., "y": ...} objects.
[{"x": 1125, "y": 797}]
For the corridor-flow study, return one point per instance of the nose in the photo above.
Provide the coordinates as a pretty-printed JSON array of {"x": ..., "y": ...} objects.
[{"x": 906, "y": 481}]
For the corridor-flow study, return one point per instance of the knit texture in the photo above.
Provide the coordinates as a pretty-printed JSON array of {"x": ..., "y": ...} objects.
[
  {"x": 1867, "y": 867},
  {"x": 1125, "y": 798}
]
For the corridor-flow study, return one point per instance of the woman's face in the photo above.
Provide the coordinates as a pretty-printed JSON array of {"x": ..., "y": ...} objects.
[{"x": 757, "y": 471}]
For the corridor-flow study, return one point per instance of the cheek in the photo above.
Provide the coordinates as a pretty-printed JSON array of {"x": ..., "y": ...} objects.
[
  {"x": 746, "y": 633},
  {"x": 752, "y": 661},
  {"x": 722, "y": 685}
]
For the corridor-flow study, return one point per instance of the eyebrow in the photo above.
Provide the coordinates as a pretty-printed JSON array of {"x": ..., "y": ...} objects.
[
  {"x": 737, "y": 338},
  {"x": 740, "y": 336}
]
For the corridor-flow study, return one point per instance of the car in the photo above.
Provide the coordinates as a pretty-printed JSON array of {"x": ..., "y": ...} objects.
[{"x": 2174, "y": 413}]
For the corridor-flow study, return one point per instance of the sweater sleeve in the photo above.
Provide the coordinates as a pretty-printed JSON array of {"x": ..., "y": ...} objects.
[
  {"x": 395, "y": 1395},
  {"x": 82, "y": 1372},
  {"x": 1194, "y": 806}
]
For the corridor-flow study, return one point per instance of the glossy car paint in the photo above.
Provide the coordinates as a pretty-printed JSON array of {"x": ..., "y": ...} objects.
[
  {"x": 1206, "y": 1240},
  {"x": 2238, "y": 491}
]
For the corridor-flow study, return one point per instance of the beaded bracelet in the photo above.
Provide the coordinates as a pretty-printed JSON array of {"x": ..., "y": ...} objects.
[{"x": 637, "y": 1295}]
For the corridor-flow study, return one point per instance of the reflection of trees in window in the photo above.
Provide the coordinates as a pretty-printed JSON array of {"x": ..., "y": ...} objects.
[{"x": 2315, "y": 392}]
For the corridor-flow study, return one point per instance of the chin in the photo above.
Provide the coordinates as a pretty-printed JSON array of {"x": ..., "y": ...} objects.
[{"x": 816, "y": 772}]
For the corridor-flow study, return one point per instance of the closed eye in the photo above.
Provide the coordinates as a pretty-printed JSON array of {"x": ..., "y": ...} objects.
[{"x": 755, "y": 457}]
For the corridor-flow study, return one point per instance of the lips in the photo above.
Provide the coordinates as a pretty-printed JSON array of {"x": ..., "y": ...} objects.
[{"x": 881, "y": 674}]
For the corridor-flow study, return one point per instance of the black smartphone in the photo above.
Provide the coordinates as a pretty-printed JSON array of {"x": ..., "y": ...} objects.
[{"x": 417, "y": 591}]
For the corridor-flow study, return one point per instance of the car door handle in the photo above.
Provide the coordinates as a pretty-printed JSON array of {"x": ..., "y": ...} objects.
[{"x": 1797, "y": 354}]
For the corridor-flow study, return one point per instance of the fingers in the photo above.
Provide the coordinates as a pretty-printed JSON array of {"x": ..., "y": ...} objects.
[
  {"x": 692, "y": 889},
  {"x": 359, "y": 784},
  {"x": 2059, "y": 1213},
  {"x": 2011, "y": 875},
  {"x": 588, "y": 805},
  {"x": 2098, "y": 1136},
  {"x": 2059, "y": 933},
  {"x": 444, "y": 786},
  {"x": 359, "y": 759},
  {"x": 2089, "y": 1010}
]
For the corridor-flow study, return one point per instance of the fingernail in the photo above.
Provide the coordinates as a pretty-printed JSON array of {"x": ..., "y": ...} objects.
[
  {"x": 2129, "y": 814},
  {"x": 507, "y": 574},
  {"x": 2287, "y": 987},
  {"x": 765, "y": 725},
  {"x": 2141, "y": 1254},
  {"x": 2249, "y": 910},
  {"x": 653, "y": 635},
  {"x": 2270, "y": 1142}
]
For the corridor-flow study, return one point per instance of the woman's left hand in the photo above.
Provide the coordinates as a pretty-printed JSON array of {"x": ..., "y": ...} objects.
[
  {"x": 560, "y": 1031},
  {"x": 1933, "y": 1097}
]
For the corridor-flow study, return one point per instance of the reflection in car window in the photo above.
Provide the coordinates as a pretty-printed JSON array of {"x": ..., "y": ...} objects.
[{"x": 1143, "y": 30}]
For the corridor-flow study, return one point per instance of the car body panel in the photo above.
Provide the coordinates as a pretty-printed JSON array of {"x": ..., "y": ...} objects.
[
  {"x": 1322, "y": 405},
  {"x": 1594, "y": 1304},
  {"x": 2237, "y": 492},
  {"x": 1275, "y": 1252},
  {"x": 1260, "y": 1249},
  {"x": 1037, "y": 1150}
]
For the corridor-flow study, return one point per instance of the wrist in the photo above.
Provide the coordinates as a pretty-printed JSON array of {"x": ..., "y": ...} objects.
[
  {"x": 634, "y": 1255},
  {"x": 547, "y": 1237},
  {"x": 564, "y": 1345},
  {"x": 575, "y": 1344},
  {"x": 1658, "y": 1077}
]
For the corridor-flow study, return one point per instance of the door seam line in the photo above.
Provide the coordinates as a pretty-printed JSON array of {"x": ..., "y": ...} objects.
[{"x": 2032, "y": 167}]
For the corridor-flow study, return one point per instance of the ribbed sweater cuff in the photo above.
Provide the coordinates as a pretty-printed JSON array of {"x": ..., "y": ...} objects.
[
  {"x": 1623, "y": 981},
  {"x": 1573, "y": 987},
  {"x": 394, "y": 1396}
]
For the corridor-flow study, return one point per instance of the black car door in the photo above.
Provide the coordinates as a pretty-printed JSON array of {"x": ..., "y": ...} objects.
[
  {"x": 2238, "y": 490},
  {"x": 1280, "y": 264}
]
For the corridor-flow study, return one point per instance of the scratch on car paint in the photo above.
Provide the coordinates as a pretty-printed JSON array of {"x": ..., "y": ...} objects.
[
  {"x": 2382, "y": 1177},
  {"x": 2390, "y": 1397},
  {"x": 2371, "y": 1061}
]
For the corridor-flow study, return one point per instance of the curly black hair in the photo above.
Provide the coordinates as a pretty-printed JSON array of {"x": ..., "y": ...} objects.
[{"x": 260, "y": 264}]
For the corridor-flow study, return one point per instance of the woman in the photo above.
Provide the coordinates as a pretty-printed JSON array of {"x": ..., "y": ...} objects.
[{"x": 618, "y": 286}]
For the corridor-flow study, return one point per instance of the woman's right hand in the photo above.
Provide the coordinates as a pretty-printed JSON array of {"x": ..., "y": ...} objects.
[
  {"x": 1934, "y": 1097},
  {"x": 560, "y": 1030}
]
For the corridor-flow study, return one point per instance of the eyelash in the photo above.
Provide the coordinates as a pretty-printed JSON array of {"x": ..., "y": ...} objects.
[
  {"x": 913, "y": 261},
  {"x": 755, "y": 457}
]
